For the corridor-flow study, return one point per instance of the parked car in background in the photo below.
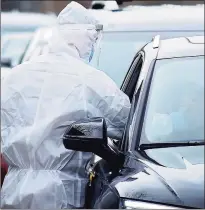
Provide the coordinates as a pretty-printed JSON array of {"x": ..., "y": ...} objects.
[
  {"x": 39, "y": 43},
  {"x": 13, "y": 47},
  {"x": 138, "y": 7},
  {"x": 18, "y": 22},
  {"x": 159, "y": 163},
  {"x": 127, "y": 32},
  {"x": 105, "y": 5},
  {"x": 20, "y": 47}
]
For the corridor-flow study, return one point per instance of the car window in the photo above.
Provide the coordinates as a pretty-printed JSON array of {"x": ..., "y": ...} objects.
[
  {"x": 129, "y": 88},
  {"x": 14, "y": 48},
  {"x": 11, "y": 29},
  {"x": 132, "y": 76},
  {"x": 175, "y": 106},
  {"x": 131, "y": 70}
]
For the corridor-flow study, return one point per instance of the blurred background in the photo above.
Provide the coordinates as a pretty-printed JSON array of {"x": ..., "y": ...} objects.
[
  {"x": 56, "y": 6},
  {"x": 26, "y": 29}
]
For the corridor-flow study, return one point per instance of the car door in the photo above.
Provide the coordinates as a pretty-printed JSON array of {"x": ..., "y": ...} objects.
[{"x": 102, "y": 170}]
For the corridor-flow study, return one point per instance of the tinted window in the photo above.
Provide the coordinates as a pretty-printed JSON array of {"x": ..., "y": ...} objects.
[{"x": 175, "y": 107}]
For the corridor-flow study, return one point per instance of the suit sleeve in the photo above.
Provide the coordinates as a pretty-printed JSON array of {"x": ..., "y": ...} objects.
[
  {"x": 108, "y": 101},
  {"x": 10, "y": 96}
]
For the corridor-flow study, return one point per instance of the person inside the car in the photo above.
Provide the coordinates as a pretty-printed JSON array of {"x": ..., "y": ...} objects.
[
  {"x": 39, "y": 100},
  {"x": 182, "y": 121}
]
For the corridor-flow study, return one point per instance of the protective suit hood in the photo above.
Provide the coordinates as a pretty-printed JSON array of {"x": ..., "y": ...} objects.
[{"x": 75, "y": 33}]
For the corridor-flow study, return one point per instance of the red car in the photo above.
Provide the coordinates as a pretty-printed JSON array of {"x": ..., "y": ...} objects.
[{"x": 4, "y": 168}]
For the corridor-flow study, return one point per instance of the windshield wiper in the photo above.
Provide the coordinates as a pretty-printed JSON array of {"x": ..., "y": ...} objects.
[{"x": 171, "y": 144}]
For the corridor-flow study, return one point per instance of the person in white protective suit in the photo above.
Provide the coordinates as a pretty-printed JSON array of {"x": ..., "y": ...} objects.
[{"x": 39, "y": 100}]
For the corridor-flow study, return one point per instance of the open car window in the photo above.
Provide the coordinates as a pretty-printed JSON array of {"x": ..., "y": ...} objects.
[
  {"x": 132, "y": 76},
  {"x": 129, "y": 86}
]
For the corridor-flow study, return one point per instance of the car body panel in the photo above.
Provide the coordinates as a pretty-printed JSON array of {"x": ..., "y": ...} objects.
[
  {"x": 145, "y": 180},
  {"x": 179, "y": 47},
  {"x": 181, "y": 184}
]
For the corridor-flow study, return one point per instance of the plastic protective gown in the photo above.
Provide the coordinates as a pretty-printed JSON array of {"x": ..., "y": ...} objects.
[{"x": 40, "y": 99}]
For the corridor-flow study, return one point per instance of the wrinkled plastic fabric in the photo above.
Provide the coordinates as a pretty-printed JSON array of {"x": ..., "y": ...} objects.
[{"x": 39, "y": 100}]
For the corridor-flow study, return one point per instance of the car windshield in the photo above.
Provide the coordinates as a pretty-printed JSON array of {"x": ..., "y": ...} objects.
[
  {"x": 14, "y": 48},
  {"x": 175, "y": 106}
]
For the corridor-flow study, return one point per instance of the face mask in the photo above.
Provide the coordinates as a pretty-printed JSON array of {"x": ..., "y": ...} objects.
[
  {"x": 96, "y": 47},
  {"x": 91, "y": 54}
]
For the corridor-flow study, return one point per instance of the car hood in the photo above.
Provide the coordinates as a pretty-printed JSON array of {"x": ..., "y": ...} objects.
[{"x": 178, "y": 181}]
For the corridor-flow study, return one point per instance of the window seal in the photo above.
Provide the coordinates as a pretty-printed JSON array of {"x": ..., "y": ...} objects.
[{"x": 141, "y": 109}]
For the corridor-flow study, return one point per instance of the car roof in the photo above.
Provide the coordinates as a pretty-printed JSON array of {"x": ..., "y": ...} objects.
[
  {"x": 181, "y": 47},
  {"x": 155, "y": 18}
]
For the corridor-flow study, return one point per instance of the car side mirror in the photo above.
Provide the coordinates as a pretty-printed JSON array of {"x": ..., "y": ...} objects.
[
  {"x": 6, "y": 62},
  {"x": 91, "y": 136}
]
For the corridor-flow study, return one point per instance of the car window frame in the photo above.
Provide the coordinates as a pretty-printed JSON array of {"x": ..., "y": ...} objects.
[
  {"x": 140, "y": 89},
  {"x": 145, "y": 101},
  {"x": 138, "y": 125},
  {"x": 140, "y": 57},
  {"x": 140, "y": 107},
  {"x": 27, "y": 46}
]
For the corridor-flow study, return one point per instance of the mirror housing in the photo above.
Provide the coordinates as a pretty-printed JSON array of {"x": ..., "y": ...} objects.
[
  {"x": 6, "y": 62},
  {"x": 91, "y": 136}
]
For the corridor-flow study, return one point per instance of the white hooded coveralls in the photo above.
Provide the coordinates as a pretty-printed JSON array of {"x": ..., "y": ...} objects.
[{"x": 39, "y": 100}]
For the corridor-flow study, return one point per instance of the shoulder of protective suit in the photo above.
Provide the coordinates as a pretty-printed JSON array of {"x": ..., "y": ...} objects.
[{"x": 101, "y": 77}]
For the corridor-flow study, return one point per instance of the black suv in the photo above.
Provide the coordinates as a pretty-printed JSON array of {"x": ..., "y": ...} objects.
[{"x": 159, "y": 164}]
